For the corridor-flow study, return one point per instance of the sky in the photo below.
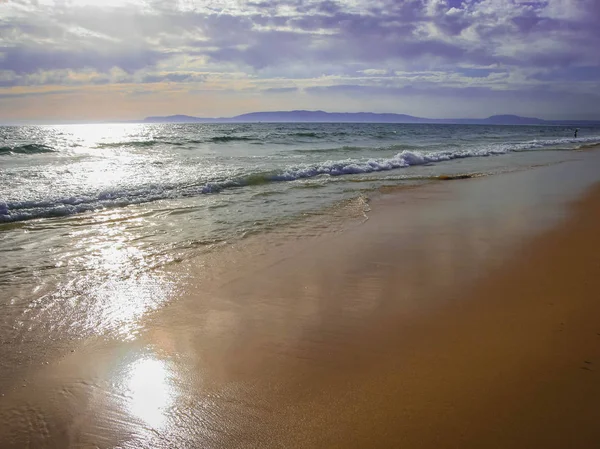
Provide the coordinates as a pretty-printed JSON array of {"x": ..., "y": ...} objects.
[{"x": 88, "y": 60}]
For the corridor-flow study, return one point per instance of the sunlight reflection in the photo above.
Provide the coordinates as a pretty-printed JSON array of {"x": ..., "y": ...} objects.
[
  {"x": 113, "y": 163},
  {"x": 101, "y": 134},
  {"x": 151, "y": 391},
  {"x": 107, "y": 174},
  {"x": 107, "y": 247},
  {"x": 119, "y": 305},
  {"x": 119, "y": 280}
]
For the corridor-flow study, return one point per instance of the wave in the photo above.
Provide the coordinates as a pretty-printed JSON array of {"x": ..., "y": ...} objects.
[
  {"x": 225, "y": 139},
  {"x": 57, "y": 207},
  {"x": 305, "y": 134},
  {"x": 25, "y": 210},
  {"x": 30, "y": 148},
  {"x": 354, "y": 149},
  {"x": 130, "y": 143},
  {"x": 534, "y": 145},
  {"x": 403, "y": 159},
  {"x": 344, "y": 149},
  {"x": 12, "y": 211},
  {"x": 150, "y": 143},
  {"x": 557, "y": 143},
  {"x": 137, "y": 143},
  {"x": 588, "y": 146}
]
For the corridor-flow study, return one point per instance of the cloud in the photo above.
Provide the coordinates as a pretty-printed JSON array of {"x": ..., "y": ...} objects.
[
  {"x": 68, "y": 77},
  {"x": 14, "y": 95},
  {"x": 280, "y": 90},
  {"x": 25, "y": 60},
  {"x": 267, "y": 46},
  {"x": 375, "y": 72}
]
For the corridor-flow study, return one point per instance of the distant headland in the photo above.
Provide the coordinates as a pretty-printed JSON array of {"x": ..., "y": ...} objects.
[{"x": 361, "y": 117}]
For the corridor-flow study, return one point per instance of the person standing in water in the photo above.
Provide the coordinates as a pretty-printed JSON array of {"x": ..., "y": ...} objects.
[{"x": 576, "y": 130}]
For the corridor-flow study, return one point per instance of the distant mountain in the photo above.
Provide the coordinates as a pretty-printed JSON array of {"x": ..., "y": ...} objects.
[
  {"x": 514, "y": 120},
  {"x": 177, "y": 119},
  {"x": 322, "y": 116},
  {"x": 359, "y": 117}
]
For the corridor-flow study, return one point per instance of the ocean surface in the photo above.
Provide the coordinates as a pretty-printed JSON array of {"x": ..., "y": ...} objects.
[{"x": 90, "y": 215}]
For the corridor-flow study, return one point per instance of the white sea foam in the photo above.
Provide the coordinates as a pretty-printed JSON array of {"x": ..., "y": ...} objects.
[{"x": 351, "y": 167}]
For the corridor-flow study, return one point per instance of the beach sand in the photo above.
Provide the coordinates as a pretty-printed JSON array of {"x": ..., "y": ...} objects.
[{"x": 461, "y": 314}]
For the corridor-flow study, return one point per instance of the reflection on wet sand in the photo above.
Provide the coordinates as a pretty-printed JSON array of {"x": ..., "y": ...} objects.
[
  {"x": 100, "y": 286},
  {"x": 150, "y": 393}
]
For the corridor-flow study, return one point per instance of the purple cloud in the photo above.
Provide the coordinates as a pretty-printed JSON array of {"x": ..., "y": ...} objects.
[{"x": 23, "y": 60}]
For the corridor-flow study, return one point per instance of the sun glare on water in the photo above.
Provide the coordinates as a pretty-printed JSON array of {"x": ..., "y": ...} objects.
[
  {"x": 109, "y": 156},
  {"x": 93, "y": 135}
]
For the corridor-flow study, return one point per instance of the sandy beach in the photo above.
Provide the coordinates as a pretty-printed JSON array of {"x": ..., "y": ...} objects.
[{"x": 468, "y": 317}]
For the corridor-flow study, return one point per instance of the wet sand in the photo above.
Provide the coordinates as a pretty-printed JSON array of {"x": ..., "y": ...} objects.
[{"x": 461, "y": 314}]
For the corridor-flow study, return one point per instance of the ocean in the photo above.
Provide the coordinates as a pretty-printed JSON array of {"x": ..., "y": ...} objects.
[{"x": 92, "y": 215}]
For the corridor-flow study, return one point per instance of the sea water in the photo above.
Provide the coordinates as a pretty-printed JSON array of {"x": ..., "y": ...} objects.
[{"x": 90, "y": 214}]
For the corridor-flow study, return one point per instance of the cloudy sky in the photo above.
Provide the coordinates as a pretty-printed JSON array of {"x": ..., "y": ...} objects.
[{"x": 126, "y": 59}]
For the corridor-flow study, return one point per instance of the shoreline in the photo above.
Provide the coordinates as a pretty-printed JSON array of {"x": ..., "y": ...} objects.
[{"x": 426, "y": 326}]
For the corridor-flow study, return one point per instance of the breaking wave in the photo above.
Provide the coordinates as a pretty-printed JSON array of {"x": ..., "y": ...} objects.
[
  {"x": 353, "y": 149},
  {"x": 346, "y": 167},
  {"x": 24, "y": 210},
  {"x": 30, "y": 148},
  {"x": 545, "y": 143},
  {"x": 11, "y": 211}
]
